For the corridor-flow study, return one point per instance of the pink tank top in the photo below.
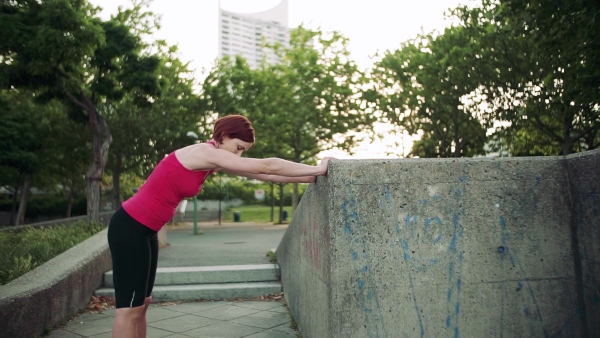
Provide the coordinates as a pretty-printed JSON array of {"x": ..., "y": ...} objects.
[{"x": 169, "y": 183}]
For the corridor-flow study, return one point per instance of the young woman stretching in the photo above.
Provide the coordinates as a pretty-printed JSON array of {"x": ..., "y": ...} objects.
[{"x": 132, "y": 232}]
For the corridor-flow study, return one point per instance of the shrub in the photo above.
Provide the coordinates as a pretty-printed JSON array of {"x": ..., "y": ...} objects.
[{"x": 24, "y": 250}]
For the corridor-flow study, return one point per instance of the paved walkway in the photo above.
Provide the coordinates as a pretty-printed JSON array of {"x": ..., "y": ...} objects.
[{"x": 227, "y": 244}]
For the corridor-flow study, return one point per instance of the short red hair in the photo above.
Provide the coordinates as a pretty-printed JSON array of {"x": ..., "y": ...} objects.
[{"x": 233, "y": 126}]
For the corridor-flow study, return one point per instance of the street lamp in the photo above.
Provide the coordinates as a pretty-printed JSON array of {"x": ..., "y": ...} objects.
[{"x": 195, "y": 137}]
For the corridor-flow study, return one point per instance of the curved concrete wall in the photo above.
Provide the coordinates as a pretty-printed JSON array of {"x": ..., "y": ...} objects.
[
  {"x": 503, "y": 247},
  {"x": 54, "y": 291}
]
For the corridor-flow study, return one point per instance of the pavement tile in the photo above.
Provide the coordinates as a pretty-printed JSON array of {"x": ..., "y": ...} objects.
[
  {"x": 264, "y": 319},
  {"x": 109, "y": 312},
  {"x": 223, "y": 330},
  {"x": 286, "y": 328},
  {"x": 182, "y": 323},
  {"x": 195, "y": 307},
  {"x": 91, "y": 328},
  {"x": 271, "y": 334},
  {"x": 281, "y": 309},
  {"x": 63, "y": 334},
  {"x": 227, "y": 312},
  {"x": 88, "y": 317},
  {"x": 260, "y": 305},
  {"x": 155, "y": 313}
]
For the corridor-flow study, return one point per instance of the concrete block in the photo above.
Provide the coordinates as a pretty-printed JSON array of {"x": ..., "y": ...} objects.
[{"x": 447, "y": 247}]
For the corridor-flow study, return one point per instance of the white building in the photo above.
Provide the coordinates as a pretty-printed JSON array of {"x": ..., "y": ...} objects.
[{"x": 243, "y": 33}]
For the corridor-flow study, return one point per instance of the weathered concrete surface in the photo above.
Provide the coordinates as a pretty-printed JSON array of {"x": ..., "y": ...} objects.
[
  {"x": 447, "y": 248},
  {"x": 54, "y": 291}
]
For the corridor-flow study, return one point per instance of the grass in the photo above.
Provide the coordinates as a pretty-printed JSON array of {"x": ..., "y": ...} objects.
[
  {"x": 256, "y": 213},
  {"x": 24, "y": 250},
  {"x": 272, "y": 256}
]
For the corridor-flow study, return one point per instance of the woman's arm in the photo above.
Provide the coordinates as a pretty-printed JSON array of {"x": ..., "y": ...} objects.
[
  {"x": 275, "y": 178},
  {"x": 205, "y": 157},
  {"x": 229, "y": 162}
]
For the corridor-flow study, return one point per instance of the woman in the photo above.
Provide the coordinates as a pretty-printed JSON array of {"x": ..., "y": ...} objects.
[{"x": 132, "y": 232}]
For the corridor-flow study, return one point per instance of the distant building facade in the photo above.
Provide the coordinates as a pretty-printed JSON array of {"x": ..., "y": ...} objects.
[{"x": 243, "y": 33}]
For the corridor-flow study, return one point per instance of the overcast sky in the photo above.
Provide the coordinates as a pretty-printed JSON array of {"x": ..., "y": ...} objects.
[{"x": 370, "y": 26}]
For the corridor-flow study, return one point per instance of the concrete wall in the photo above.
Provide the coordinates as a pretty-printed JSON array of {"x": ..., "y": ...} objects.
[
  {"x": 504, "y": 247},
  {"x": 54, "y": 291}
]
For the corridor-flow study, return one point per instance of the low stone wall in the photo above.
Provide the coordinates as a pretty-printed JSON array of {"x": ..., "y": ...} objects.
[
  {"x": 486, "y": 247},
  {"x": 104, "y": 219},
  {"x": 54, "y": 291}
]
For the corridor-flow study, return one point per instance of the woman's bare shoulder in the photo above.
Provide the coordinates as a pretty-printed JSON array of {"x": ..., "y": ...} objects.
[{"x": 194, "y": 156}]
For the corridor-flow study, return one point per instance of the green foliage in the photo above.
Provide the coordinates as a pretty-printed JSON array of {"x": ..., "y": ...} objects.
[
  {"x": 27, "y": 249},
  {"x": 255, "y": 213},
  {"x": 272, "y": 256},
  {"x": 539, "y": 71},
  {"x": 300, "y": 106},
  {"x": 220, "y": 186},
  {"x": 425, "y": 82}
]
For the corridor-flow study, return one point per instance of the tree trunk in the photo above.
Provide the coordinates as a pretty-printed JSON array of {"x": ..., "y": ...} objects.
[
  {"x": 281, "y": 202},
  {"x": 116, "y": 175},
  {"x": 70, "y": 200},
  {"x": 13, "y": 208},
  {"x": 567, "y": 146},
  {"x": 101, "y": 139},
  {"x": 295, "y": 197},
  {"x": 20, "y": 219},
  {"x": 272, "y": 201}
]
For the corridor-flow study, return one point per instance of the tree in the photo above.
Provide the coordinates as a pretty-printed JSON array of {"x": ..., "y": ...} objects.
[
  {"x": 421, "y": 86},
  {"x": 545, "y": 77},
  {"x": 143, "y": 135},
  {"x": 19, "y": 144},
  {"x": 62, "y": 50},
  {"x": 300, "y": 107}
]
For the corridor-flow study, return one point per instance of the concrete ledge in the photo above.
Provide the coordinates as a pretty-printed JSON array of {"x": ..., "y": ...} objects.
[
  {"x": 210, "y": 274},
  {"x": 165, "y": 293},
  {"x": 54, "y": 291},
  {"x": 466, "y": 247}
]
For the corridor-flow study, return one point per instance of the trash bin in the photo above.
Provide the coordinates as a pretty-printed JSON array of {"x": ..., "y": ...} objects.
[
  {"x": 237, "y": 216},
  {"x": 285, "y": 215}
]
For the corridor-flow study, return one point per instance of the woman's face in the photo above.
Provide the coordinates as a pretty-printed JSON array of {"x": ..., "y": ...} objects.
[{"x": 235, "y": 145}]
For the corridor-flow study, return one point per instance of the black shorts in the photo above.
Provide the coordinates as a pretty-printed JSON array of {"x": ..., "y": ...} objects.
[{"x": 134, "y": 252}]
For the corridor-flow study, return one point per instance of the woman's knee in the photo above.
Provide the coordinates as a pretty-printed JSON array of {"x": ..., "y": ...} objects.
[{"x": 130, "y": 313}]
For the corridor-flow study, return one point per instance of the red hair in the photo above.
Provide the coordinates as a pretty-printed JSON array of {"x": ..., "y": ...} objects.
[{"x": 233, "y": 126}]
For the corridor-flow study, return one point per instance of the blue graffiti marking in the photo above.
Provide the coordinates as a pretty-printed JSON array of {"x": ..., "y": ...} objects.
[
  {"x": 347, "y": 229},
  {"x": 354, "y": 255},
  {"x": 364, "y": 269},
  {"x": 361, "y": 284},
  {"x": 463, "y": 178},
  {"x": 371, "y": 294},
  {"x": 425, "y": 202}
]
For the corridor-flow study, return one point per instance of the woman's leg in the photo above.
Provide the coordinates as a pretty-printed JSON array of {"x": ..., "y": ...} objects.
[
  {"x": 126, "y": 322},
  {"x": 131, "y": 252},
  {"x": 142, "y": 323}
]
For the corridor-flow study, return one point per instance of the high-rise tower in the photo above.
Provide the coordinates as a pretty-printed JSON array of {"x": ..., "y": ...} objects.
[{"x": 243, "y": 33}]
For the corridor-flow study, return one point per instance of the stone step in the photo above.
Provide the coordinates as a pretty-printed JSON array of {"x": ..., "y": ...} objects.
[
  {"x": 210, "y": 275},
  {"x": 165, "y": 293}
]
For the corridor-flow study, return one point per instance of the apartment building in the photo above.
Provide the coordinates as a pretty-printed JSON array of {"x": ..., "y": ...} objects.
[{"x": 244, "y": 33}]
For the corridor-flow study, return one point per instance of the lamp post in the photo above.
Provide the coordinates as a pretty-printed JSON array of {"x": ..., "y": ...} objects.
[{"x": 195, "y": 137}]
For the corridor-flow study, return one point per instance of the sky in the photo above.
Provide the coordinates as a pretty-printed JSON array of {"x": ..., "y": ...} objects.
[{"x": 371, "y": 26}]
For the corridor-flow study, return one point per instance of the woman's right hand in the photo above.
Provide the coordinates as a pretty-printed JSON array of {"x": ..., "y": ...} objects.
[{"x": 323, "y": 165}]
